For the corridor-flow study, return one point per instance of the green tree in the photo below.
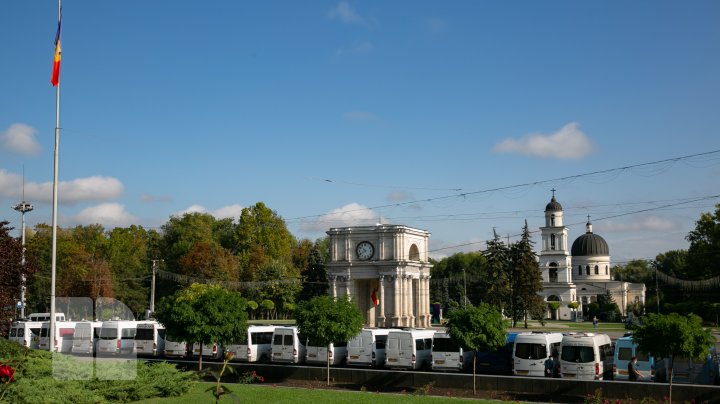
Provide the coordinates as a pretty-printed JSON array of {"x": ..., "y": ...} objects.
[
  {"x": 704, "y": 251},
  {"x": 497, "y": 289},
  {"x": 480, "y": 328},
  {"x": 203, "y": 314},
  {"x": 127, "y": 250},
  {"x": 673, "y": 335},
  {"x": 12, "y": 272},
  {"x": 180, "y": 234},
  {"x": 326, "y": 320},
  {"x": 525, "y": 279},
  {"x": 314, "y": 277}
]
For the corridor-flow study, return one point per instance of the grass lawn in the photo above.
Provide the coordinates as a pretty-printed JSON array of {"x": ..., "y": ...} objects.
[{"x": 256, "y": 394}]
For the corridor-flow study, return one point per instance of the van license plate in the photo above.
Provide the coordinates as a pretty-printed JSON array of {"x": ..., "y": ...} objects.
[
  {"x": 277, "y": 354},
  {"x": 521, "y": 372},
  {"x": 392, "y": 360},
  {"x": 354, "y": 356},
  {"x": 440, "y": 362},
  {"x": 312, "y": 355}
]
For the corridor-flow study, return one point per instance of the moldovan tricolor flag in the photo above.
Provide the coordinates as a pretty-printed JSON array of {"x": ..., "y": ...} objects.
[
  {"x": 374, "y": 296},
  {"x": 55, "y": 79}
]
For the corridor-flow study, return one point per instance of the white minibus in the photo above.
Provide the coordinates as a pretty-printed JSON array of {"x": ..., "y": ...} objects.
[
  {"x": 448, "y": 355},
  {"x": 150, "y": 338},
  {"x": 318, "y": 354},
  {"x": 532, "y": 349},
  {"x": 117, "y": 337},
  {"x": 85, "y": 337},
  {"x": 210, "y": 351},
  {"x": 64, "y": 331},
  {"x": 586, "y": 356},
  {"x": 288, "y": 345},
  {"x": 368, "y": 347},
  {"x": 26, "y": 333},
  {"x": 174, "y": 348},
  {"x": 255, "y": 345},
  {"x": 409, "y": 349}
]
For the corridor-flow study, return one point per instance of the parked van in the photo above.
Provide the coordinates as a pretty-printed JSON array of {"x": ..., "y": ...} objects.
[
  {"x": 693, "y": 371},
  {"x": 625, "y": 349},
  {"x": 288, "y": 345},
  {"x": 64, "y": 331},
  {"x": 255, "y": 345},
  {"x": 318, "y": 354},
  {"x": 447, "y": 354},
  {"x": 409, "y": 349},
  {"x": 532, "y": 349},
  {"x": 499, "y": 361},
  {"x": 175, "y": 349},
  {"x": 368, "y": 347},
  {"x": 46, "y": 317},
  {"x": 117, "y": 337},
  {"x": 26, "y": 333},
  {"x": 86, "y": 336},
  {"x": 586, "y": 356},
  {"x": 209, "y": 351},
  {"x": 150, "y": 338}
]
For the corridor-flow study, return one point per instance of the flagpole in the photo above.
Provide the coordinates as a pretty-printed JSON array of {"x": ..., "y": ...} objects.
[{"x": 54, "y": 210}]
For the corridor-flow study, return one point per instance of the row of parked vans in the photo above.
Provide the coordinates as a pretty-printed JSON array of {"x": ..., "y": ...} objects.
[{"x": 591, "y": 356}]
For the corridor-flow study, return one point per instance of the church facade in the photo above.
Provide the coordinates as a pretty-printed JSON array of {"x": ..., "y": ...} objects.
[{"x": 579, "y": 272}]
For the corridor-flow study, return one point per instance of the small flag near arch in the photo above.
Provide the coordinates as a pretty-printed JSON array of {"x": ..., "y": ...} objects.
[{"x": 374, "y": 296}]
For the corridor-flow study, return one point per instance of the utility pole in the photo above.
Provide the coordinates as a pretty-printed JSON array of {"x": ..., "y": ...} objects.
[
  {"x": 464, "y": 288},
  {"x": 152, "y": 287},
  {"x": 23, "y": 207},
  {"x": 657, "y": 287}
]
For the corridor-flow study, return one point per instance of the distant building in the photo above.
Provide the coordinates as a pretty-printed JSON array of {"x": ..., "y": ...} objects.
[
  {"x": 385, "y": 270},
  {"x": 579, "y": 273}
]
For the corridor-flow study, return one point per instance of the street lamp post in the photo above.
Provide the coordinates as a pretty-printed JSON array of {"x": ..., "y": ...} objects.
[
  {"x": 464, "y": 288},
  {"x": 23, "y": 207},
  {"x": 152, "y": 286}
]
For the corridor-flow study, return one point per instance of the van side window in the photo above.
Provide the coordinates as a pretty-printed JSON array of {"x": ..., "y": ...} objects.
[
  {"x": 419, "y": 344},
  {"x": 277, "y": 340},
  {"x": 625, "y": 354},
  {"x": 288, "y": 340},
  {"x": 13, "y": 332},
  {"x": 380, "y": 341},
  {"x": 128, "y": 333},
  {"x": 428, "y": 343}
]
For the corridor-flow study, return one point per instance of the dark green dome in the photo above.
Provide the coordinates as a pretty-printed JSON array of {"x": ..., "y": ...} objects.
[
  {"x": 554, "y": 205},
  {"x": 589, "y": 244}
]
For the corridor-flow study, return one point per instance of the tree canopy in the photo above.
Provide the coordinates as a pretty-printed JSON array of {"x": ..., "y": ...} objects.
[{"x": 12, "y": 270}]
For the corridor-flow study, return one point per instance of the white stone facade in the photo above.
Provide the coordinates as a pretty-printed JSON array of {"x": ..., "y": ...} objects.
[{"x": 389, "y": 260}]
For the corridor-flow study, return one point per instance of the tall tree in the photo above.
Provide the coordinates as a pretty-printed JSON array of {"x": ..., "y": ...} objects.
[
  {"x": 11, "y": 272},
  {"x": 525, "y": 279},
  {"x": 130, "y": 264},
  {"x": 479, "y": 328},
  {"x": 180, "y": 235},
  {"x": 203, "y": 314},
  {"x": 315, "y": 282},
  {"x": 673, "y": 335},
  {"x": 704, "y": 251},
  {"x": 497, "y": 285},
  {"x": 326, "y": 320}
]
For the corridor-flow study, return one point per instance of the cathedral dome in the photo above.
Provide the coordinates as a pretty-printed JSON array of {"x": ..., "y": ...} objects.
[
  {"x": 589, "y": 244},
  {"x": 554, "y": 205}
]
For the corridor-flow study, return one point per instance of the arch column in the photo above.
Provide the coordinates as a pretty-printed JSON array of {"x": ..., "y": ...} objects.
[
  {"x": 333, "y": 286},
  {"x": 381, "y": 317},
  {"x": 397, "y": 315}
]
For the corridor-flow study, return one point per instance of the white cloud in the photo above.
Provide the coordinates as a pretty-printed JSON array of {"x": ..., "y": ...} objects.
[
  {"x": 567, "y": 143},
  {"x": 96, "y": 188},
  {"x": 107, "y": 214},
  {"x": 649, "y": 223},
  {"x": 363, "y": 46},
  {"x": 20, "y": 138},
  {"x": 397, "y": 196},
  {"x": 230, "y": 211},
  {"x": 345, "y": 13},
  {"x": 360, "y": 116},
  {"x": 352, "y": 214}
]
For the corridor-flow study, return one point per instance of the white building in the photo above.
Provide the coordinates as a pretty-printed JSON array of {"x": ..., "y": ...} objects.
[
  {"x": 579, "y": 273},
  {"x": 385, "y": 271}
]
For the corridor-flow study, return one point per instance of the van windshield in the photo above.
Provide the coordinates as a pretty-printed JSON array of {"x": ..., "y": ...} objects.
[
  {"x": 147, "y": 334},
  {"x": 108, "y": 333},
  {"x": 445, "y": 345},
  {"x": 578, "y": 354},
  {"x": 530, "y": 351}
]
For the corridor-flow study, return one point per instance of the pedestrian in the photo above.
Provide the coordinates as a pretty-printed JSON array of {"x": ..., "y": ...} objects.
[
  {"x": 633, "y": 374},
  {"x": 595, "y": 322},
  {"x": 556, "y": 367},
  {"x": 549, "y": 367}
]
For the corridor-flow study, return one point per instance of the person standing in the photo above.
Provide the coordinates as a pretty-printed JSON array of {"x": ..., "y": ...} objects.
[
  {"x": 549, "y": 367},
  {"x": 633, "y": 374},
  {"x": 595, "y": 322}
]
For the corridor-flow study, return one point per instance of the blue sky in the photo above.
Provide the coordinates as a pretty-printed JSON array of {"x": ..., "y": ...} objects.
[{"x": 339, "y": 113}]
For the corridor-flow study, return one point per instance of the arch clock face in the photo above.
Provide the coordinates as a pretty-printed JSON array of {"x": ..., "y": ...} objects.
[{"x": 364, "y": 250}]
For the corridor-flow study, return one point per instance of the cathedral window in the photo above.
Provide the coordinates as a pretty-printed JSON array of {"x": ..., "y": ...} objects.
[
  {"x": 579, "y": 269},
  {"x": 587, "y": 269},
  {"x": 606, "y": 269},
  {"x": 597, "y": 270},
  {"x": 553, "y": 272},
  {"x": 552, "y": 241},
  {"x": 552, "y": 220}
]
